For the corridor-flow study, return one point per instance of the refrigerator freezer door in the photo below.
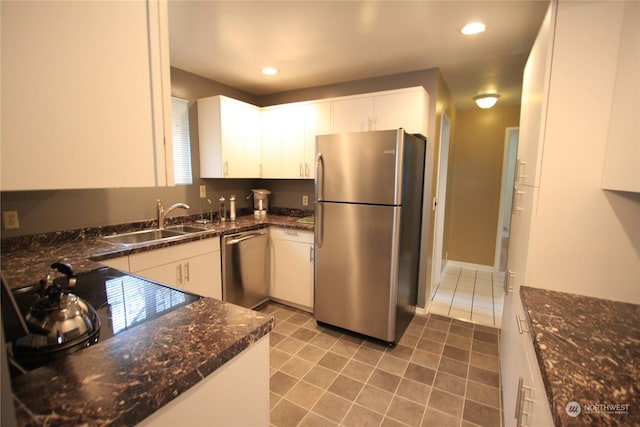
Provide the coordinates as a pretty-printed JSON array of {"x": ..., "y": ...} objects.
[
  {"x": 356, "y": 268},
  {"x": 359, "y": 167}
]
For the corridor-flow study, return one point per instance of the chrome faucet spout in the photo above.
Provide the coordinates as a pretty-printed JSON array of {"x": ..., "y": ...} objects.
[{"x": 162, "y": 214}]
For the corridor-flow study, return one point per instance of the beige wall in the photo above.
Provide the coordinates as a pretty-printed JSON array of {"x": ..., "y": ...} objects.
[
  {"x": 444, "y": 104},
  {"x": 474, "y": 192}
]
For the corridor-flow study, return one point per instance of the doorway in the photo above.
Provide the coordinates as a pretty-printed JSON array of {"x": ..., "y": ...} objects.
[
  {"x": 440, "y": 200},
  {"x": 506, "y": 197}
]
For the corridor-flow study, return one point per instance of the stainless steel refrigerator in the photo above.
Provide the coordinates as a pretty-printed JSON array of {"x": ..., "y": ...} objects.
[{"x": 368, "y": 208}]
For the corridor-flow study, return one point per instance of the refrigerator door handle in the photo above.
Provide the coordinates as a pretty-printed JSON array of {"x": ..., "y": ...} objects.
[
  {"x": 319, "y": 177},
  {"x": 319, "y": 197}
]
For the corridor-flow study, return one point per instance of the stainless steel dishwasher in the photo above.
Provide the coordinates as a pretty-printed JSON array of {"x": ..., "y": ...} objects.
[{"x": 245, "y": 279}]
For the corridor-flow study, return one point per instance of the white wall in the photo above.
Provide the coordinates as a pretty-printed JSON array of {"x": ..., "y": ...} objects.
[{"x": 585, "y": 240}]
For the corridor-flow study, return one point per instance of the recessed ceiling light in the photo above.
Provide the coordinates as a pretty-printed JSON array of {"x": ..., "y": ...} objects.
[
  {"x": 269, "y": 71},
  {"x": 473, "y": 28}
]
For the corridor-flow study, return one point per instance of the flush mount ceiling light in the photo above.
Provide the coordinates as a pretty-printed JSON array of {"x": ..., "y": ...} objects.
[
  {"x": 473, "y": 28},
  {"x": 269, "y": 71},
  {"x": 486, "y": 100}
]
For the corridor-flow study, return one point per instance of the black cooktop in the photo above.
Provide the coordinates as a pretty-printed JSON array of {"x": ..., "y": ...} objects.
[{"x": 122, "y": 300}]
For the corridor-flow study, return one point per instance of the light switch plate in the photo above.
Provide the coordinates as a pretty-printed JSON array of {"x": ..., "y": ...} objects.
[
  {"x": 10, "y": 220},
  {"x": 203, "y": 191}
]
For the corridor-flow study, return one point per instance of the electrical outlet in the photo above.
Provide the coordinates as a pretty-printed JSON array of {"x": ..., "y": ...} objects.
[
  {"x": 10, "y": 220},
  {"x": 305, "y": 200},
  {"x": 203, "y": 191}
]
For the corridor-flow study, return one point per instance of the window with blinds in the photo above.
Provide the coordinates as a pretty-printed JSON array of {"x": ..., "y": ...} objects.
[{"x": 181, "y": 143}]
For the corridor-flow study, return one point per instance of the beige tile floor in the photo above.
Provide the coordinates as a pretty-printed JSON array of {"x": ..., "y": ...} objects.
[
  {"x": 469, "y": 294},
  {"x": 443, "y": 372}
]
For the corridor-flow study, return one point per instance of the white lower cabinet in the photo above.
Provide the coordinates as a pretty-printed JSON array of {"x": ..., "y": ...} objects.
[
  {"x": 291, "y": 260},
  {"x": 194, "y": 266},
  {"x": 524, "y": 398}
]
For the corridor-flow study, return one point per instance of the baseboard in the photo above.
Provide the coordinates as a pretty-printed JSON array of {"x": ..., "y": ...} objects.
[
  {"x": 471, "y": 266},
  {"x": 423, "y": 311}
]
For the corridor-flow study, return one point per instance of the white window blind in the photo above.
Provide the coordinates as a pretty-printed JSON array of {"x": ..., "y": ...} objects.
[{"x": 181, "y": 143}]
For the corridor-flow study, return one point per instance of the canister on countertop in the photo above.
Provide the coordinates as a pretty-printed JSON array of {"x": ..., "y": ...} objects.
[
  {"x": 232, "y": 207},
  {"x": 222, "y": 211}
]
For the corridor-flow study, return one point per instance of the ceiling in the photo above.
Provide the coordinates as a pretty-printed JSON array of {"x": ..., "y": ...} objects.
[{"x": 316, "y": 43}]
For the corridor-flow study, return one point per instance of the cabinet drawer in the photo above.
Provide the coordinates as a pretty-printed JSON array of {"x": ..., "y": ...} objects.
[
  {"x": 162, "y": 256},
  {"x": 302, "y": 236}
]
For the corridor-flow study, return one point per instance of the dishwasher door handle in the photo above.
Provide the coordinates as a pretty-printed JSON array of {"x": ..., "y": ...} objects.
[{"x": 242, "y": 239}]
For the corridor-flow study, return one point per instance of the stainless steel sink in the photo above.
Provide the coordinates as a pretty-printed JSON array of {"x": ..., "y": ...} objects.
[
  {"x": 186, "y": 228},
  {"x": 155, "y": 235},
  {"x": 143, "y": 236}
]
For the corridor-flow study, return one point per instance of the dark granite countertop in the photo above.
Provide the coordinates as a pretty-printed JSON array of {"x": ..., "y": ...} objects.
[
  {"x": 588, "y": 350},
  {"x": 26, "y": 260},
  {"x": 123, "y": 380},
  {"x": 109, "y": 383}
]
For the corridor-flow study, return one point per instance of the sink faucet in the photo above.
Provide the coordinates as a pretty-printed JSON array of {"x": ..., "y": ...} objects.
[{"x": 162, "y": 214}]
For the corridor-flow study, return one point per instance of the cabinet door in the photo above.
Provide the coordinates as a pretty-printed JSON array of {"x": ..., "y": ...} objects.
[
  {"x": 240, "y": 139},
  {"x": 202, "y": 275},
  {"x": 120, "y": 263},
  {"x": 317, "y": 121},
  {"x": 291, "y": 261},
  {"x": 82, "y": 85},
  {"x": 293, "y": 270},
  {"x": 406, "y": 109},
  {"x": 272, "y": 142},
  {"x": 167, "y": 274},
  {"x": 293, "y": 141},
  {"x": 251, "y": 142},
  {"x": 622, "y": 160},
  {"x": 535, "y": 90},
  {"x": 352, "y": 114}
]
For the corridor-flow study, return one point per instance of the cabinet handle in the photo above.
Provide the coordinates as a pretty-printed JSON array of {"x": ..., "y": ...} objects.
[
  {"x": 520, "y": 399},
  {"x": 301, "y": 171},
  {"x": 310, "y": 253},
  {"x": 507, "y": 281},
  {"x": 520, "y": 165},
  {"x": 225, "y": 169},
  {"x": 306, "y": 170},
  {"x": 516, "y": 201},
  {"x": 187, "y": 274},
  {"x": 179, "y": 274},
  {"x": 519, "y": 321}
]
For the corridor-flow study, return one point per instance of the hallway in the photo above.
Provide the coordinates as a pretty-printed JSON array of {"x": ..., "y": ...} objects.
[{"x": 474, "y": 295}]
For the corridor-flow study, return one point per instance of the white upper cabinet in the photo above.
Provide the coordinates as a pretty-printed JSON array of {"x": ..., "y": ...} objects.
[
  {"x": 230, "y": 138},
  {"x": 240, "y": 140},
  {"x": 85, "y": 95},
  {"x": 622, "y": 165},
  {"x": 535, "y": 90},
  {"x": 402, "y": 108},
  {"x": 282, "y": 141},
  {"x": 289, "y": 136},
  {"x": 317, "y": 121}
]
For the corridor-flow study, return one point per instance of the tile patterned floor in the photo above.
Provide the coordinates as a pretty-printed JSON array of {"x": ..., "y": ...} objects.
[
  {"x": 471, "y": 295},
  {"x": 443, "y": 372}
]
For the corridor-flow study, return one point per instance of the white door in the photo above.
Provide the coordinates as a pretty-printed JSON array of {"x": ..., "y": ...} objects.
[
  {"x": 441, "y": 198},
  {"x": 506, "y": 194}
]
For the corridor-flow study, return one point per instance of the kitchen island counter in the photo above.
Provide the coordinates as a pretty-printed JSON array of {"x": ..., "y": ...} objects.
[
  {"x": 132, "y": 375},
  {"x": 588, "y": 351}
]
